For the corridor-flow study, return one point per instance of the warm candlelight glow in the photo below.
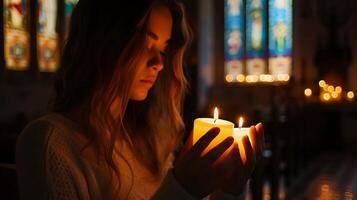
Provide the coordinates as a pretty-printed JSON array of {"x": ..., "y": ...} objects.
[
  {"x": 269, "y": 78},
  {"x": 229, "y": 78},
  {"x": 350, "y": 95},
  {"x": 239, "y": 133},
  {"x": 327, "y": 96},
  {"x": 283, "y": 77},
  {"x": 325, "y": 87},
  {"x": 331, "y": 88},
  {"x": 262, "y": 77},
  {"x": 334, "y": 95},
  {"x": 202, "y": 125},
  {"x": 322, "y": 83},
  {"x": 266, "y": 78},
  {"x": 252, "y": 78},
  {"x": 308, "y": 92},
  {"x": 286, "y": 77},
  {"x": 215, "y": 114},
  {"x": 240, "y": 78},
  {"x": 240, "y": 122},
  {"x": 338, "y": 89}
]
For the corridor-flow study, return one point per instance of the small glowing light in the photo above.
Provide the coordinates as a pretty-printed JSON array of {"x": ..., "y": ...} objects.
[
  {"x": 334, "y": 95},
  {"x": 215, "y": 113},
  {"x": 350, "y": 95},
  {"x": 286, "y": 77},
  {"x": 229, "y": 78},
  {"x": 241, "y": 120},
  {"x": 262, "y": 77},
  {"x": 338, "y": 89},
  {"x": 266, "y": 78},
  {"x": 322, "y": 83},
  {"x": 280, "y": 77},
  {"x": 326, "y": 87},
  {"x": 308, "y": 92},
  {"x": 283, "y": 77},
  {"x": 331, "y": 88},
  {"x": 240, "y": 78},
  {"x": 269, "y": 78},
  {"x": 327, "y": 96},
  {"x": 252, "y": 78}
]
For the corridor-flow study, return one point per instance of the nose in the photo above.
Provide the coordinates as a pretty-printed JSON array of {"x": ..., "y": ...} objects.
[{"x": 156, "y": 61}]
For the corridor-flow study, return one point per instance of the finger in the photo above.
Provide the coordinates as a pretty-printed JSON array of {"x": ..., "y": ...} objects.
[
  {"x": 217, "y": 151},
  {"x": 250, "y": 162},
  {"x": 235, "y": 156},
  {"x": 256, "y": 142},
  {"x": 253, "y": 139},
  {"x": 204, "y": 141},
  {"x": 188, "y": 145},
  {"x": 260, "y": 132},
  {"x": 233, "y": 162}
]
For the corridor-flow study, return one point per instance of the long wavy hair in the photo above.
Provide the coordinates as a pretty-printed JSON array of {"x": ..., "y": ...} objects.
[{"x": 99, "y": 62}]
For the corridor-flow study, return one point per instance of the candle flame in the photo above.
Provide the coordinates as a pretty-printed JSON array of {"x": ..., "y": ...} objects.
[
  {"x": 215, "y": 114},
  {"x": 240, "y": 122}
]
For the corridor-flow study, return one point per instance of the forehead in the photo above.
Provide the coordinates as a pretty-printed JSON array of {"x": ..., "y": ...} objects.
[{"x": 160, "y": 22}]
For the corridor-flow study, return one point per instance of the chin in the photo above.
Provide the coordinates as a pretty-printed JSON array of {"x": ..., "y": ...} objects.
[{"x": 138, "y": 97}]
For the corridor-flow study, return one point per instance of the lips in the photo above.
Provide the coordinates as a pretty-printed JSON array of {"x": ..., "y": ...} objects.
[{"x": 148, "y": 81}]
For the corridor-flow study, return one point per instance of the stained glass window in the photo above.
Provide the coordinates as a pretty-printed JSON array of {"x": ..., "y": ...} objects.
[
  {"x": 47, "y": 36},
  {"x": 256, "y": 42},
  {"x": 17, "y": 35},
  {"x": 280, "y": 39},
  {"x": 234, "y": 39}
]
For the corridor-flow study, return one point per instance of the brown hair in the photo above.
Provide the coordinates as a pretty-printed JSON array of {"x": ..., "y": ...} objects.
[{"x": 98, "y": 65}]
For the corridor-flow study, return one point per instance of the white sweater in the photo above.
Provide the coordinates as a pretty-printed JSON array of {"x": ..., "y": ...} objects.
[{"x": 51, "y": 165}]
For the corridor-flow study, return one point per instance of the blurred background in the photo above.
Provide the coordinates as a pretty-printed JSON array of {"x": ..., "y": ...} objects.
[{"x": 290, "y": 64}]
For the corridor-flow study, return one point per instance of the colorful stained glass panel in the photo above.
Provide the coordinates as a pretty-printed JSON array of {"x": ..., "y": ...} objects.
[
  {"x": 256, "y": 38},
  {"x": 47, "y": 36},
  {"x": 280, "y": 39},
  {"x": 17, "y": 34},
  {"x": 234, "y": 37}
]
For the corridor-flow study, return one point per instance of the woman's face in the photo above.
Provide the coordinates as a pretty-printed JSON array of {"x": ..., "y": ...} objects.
[{"x": 151, "y": 61}]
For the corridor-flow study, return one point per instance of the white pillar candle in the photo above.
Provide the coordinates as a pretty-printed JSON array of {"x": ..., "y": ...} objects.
[{"x": 238, "y": 135}]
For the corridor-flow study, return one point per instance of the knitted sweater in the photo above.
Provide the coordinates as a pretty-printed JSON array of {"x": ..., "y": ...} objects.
[{"x": 51, "y": 165}]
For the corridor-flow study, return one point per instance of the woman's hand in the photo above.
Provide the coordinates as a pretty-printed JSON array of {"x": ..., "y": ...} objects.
[
  {"x": 238, "y": 177},
  {"x": 196, "y": 172}
]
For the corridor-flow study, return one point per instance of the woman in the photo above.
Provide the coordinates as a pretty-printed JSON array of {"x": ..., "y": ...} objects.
[{"x": 116, "y": 117}]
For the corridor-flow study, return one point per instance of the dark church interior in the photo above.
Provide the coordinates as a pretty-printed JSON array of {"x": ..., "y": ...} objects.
[{"x": 289, "y": 64}]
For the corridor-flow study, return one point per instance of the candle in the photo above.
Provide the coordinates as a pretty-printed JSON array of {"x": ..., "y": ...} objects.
[
  {"x": 202, "y": 125},
  {"x": 238, "y": 135}
]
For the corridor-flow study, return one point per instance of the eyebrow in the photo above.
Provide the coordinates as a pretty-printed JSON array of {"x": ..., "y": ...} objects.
[{"x": 155, "y": 37}]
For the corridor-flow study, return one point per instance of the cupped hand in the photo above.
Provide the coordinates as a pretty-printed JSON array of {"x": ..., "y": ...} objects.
[
  {"x": 237, "y": 178},
  {"x": 197, "y": 173}
]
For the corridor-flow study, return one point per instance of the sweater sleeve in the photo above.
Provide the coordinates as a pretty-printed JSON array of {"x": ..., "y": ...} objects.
[
  {"x": 30, "y": 162},
  {"x": 45, "y": 167},
  {"x": 64, "y": 178}
]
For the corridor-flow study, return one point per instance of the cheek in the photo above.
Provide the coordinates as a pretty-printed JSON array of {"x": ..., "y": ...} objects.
[{"x": 139, "y": 92}]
